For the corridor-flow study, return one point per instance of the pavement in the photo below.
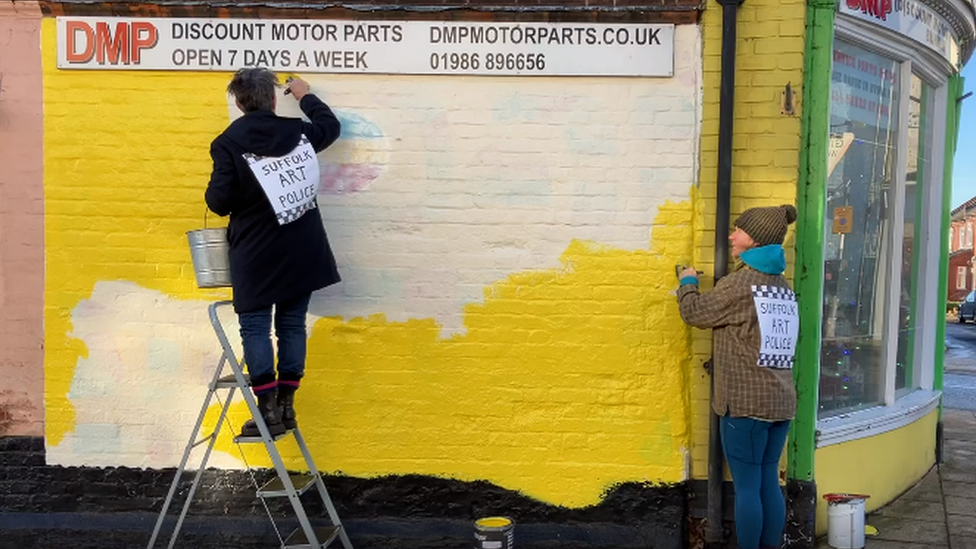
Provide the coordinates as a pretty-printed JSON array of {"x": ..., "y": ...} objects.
[{"x": 940, "y": 511}]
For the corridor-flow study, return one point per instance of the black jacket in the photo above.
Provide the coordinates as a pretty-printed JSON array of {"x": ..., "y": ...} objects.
[{"x": 269, "y": 262}]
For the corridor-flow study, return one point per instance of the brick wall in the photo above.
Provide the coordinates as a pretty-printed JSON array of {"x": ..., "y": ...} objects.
[
  {"x": 507, "y": 247},
  {"x": 765, "y": 159},
  {"x": 21, "y": 221},
  {"x": 957, "y": 260}
]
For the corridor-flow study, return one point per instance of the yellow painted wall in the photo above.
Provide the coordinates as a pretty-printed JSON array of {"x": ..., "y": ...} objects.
[
  {"x": 769, "y": 55},
  {"x": 882, "y": 466},
  {"x": 559, "y": 382}
]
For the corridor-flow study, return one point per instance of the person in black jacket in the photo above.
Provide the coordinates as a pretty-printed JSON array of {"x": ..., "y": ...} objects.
[{"x": 266, "y": 176}]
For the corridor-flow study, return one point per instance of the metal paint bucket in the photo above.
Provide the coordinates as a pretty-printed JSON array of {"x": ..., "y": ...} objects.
[
  {"x": 845, "y": 520},
  {"x": 494, "y": 533},
  {"x": 210, "y": 254}
]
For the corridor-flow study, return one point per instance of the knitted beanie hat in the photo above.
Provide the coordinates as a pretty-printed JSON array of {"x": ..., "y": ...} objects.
[{"x": 767, "y": 225}]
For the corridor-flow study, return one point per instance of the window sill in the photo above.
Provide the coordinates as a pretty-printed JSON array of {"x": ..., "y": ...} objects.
[{"x": 877, "y": 420}]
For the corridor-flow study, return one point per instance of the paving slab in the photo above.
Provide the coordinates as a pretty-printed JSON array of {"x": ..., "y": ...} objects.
[
  {"x": 953, "y": 418},
  {"x": 872, "y": 543},
  {"x": 960, "y": 525},
  {"x": 928, "y": 489},
  {"x": 963, "y": 542},
  {"x": 961, "y": 434},
  {"x": 914, "y": 510},
  {"x": 959, "y": 455},
  {"x": 959, "y": 425},
  {"x": 955, "y": 475},
  {"x": 928, "y": 495},
  {"x": 959, "y": 489},
  {"x": 909, "y": 531},
  {"x": 885, "y": 544},
  {"x": 960, "y": 506}
]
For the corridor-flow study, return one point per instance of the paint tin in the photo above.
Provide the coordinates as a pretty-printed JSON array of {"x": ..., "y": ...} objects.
[
  {"x": 494, "y": 533},
  {"x": 845, "y": 520},
  {"x": 211, "y": 257}
]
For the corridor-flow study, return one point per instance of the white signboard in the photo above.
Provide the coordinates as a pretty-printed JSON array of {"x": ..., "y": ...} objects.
[
  {"x": 779, "y": 325},
  {"x": 911, "y": 18},
  {"x": 391, "y": 47},
  {"x": 291, "y": 182}
]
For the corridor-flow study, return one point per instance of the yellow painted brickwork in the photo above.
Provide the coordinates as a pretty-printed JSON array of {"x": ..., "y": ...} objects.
[
  {"x": 769, "y": 55},
  {"x": 564, "y": 379}
]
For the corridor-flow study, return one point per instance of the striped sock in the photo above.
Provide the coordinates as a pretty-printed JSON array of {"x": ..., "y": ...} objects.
[{"x": 264, "y": 388}]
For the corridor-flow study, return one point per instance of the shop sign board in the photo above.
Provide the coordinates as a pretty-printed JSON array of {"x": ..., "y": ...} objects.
[
  {"x": 386, "y": 47},
  {"x": 910, "y": 18}
]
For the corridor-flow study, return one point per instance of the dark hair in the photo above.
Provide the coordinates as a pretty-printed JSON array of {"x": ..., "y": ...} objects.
[{"x": 254, "y": 89}]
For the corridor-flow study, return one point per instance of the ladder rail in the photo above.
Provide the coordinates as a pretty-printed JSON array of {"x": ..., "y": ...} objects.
[
  {"x": 323, "y": 493},
  {"x": 293, "y": 497},
  {"x": 262, "y": 426},
  {"x": 228, "y": 356},
  {"x": 186, "y": 456},
  {"x": 203, "y": 466}
]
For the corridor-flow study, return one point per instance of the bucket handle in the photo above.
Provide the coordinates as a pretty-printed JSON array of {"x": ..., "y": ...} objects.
[{"x": 206, "y": 210}]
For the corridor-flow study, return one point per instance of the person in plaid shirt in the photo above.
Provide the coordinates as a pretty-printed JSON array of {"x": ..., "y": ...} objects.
[{"x": 753, "y": 315}]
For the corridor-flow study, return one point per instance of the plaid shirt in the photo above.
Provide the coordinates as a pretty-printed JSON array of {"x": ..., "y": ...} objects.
[{"x": 742, "y": 387}]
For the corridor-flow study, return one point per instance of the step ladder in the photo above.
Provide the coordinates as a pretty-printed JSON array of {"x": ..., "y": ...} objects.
[{"x": 285, "y": 485}]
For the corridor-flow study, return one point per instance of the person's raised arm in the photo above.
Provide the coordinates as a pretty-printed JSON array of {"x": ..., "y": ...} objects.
[
  {"x": 324, "y": 128},
  {"x": 706, "y": 310}
]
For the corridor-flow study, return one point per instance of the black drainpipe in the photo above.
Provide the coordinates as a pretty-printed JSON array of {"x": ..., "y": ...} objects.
[{"x": 714, "y": 531}]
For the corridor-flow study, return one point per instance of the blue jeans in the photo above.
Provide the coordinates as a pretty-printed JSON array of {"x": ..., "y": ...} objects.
[
  {"x": 289, "y": 324},
  {"x": 752, "y": 450}
]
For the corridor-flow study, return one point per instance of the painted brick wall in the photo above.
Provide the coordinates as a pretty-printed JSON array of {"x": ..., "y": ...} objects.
[
  {"x": 21, "y": 221},
  {"x": 769, "y": 55},
  {"x": 507, "y": 247}
]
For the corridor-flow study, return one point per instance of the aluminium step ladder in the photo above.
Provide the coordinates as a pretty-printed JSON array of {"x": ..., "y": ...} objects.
[{"x": 285, "y": 485}]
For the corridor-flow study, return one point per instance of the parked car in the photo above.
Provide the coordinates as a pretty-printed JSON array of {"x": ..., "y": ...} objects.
[{"x": 967, "y": 309}]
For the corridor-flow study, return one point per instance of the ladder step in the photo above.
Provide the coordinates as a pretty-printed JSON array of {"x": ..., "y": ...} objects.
[
  {"x": 276, "y": 489},
  {"x": 229, "y": 381},
  {"x": 254, "y": 440},
  {"x": 325, "y": 535}
]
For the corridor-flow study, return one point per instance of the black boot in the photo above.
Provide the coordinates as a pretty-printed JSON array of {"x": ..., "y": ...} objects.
[
  {"x": 286, "y": 401},
  {"x": 268, "y": 407}
]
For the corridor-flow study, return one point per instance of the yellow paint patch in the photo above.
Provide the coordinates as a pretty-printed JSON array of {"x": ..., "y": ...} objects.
[
  {"x": 558, "y": 398},
  {"x": 882, "y": 466},
  {"x": 113, "y": 209}
]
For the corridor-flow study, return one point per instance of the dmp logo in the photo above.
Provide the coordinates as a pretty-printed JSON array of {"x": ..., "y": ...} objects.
[
  {"x": 125, "y": 45},
  {"x": 879, "y": 9}
]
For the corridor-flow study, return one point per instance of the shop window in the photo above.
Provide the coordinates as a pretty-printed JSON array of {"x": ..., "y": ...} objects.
[
  {"x": 919, "y": 158},
  {"x": 960, "y": 278},
  {"x": 864, "y": 111}
]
